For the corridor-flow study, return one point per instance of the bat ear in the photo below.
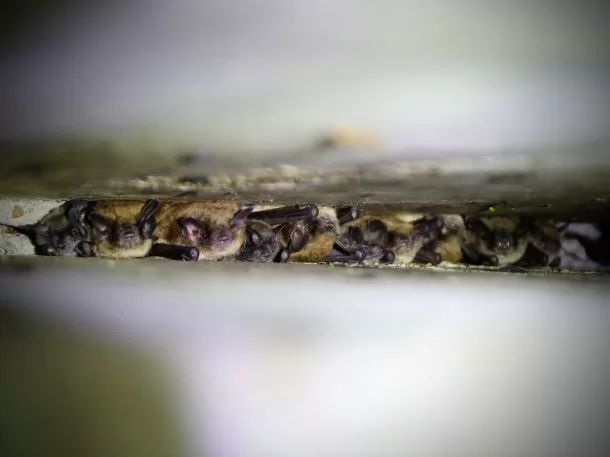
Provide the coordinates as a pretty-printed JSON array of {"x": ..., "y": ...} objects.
[
  {"x": 347, "y": 214},
  {"x": 239, "y": 218},
  {"x": 191, "y": 228},
  {"x": 277, "y": 230},
  {"x": 476, "y": 225},
  {"x": 387, "y": 257},
  {"x": 428, "y": 225},
  {"x": 28, "y": 230},
  {"x": 253, "y": 236},
  {"x": 73, "y": 215},
  {"x": 78, "y": 210},
  {"x": 46, "y": 250},
  {"x": 101, "y": 225},
  {"x": 298, "y": 238},
  {"x": 148, "y": 210},
  {"x": 282, "y": 256}
]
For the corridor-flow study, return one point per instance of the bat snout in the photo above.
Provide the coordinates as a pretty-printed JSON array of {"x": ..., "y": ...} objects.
[
  {"x": 128, "y": 236},
  {"x": 503, "y": 244}
]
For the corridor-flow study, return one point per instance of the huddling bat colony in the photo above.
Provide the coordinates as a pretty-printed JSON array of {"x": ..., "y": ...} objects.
[{"x": 224, "y": 230}]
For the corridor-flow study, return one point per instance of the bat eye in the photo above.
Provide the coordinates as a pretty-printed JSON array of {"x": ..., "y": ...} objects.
[
  {"x": 503, "y": 243},
  {"x": 147, "y": 229},
  {"x": 127, "y": 234},
  {"x": 254, "y": 237},
  {"x": 403, "y": 241},
  {"x": 83, "y": 249},
  {"x": 47, "y": 250}
]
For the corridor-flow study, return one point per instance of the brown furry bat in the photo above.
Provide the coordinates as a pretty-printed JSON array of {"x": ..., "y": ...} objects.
[
  {"x": 218, "y": 228},
  {"x": 123, "y": 229},
  {"x": 497, "y": 240},
  {"x": 406, "y": 235}
]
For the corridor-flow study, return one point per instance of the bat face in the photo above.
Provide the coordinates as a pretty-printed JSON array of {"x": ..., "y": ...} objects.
[
  {"x": 311, "y": 240},
  {"x": 360, "y": 246},
  {"x": 262, "y": 244},
  {"x": 194, "y": 230},
  {"x": 392, "y": 238},
  {"x": 407, "y": 239},
  {"x": 62, "y": 232},
  {"x": 448, "y": 246},
  {"x": 222, "y": 229},
  {"x": 72, "y": 240},
  {"x": 126, "y": 234},
  {"x": 215, "y": 240},
  {"x": 422, "y": 231},
  {"x": 453, "y": 224},
  {"x": 499, "y": 240},
  {"x": 118, "y": 232},
  {"x": 502, "y": 241}
]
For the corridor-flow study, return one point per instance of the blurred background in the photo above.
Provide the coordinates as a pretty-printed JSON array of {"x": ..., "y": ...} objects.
[
  {"x": 270, "y": 76},
  {"x": 115, "y": 358}
]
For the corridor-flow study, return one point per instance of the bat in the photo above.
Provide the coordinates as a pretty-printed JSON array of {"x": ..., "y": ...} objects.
[
  {"x": 354, "y": 241},
  {"x": 63, "y": 231},
  {"x": 448, "y": 246},
  {"x": 218, "y": 228},
  {"x": 407, "y": 235},
  {"x": 313, "y": 239},
  {"x": 123, "y": 229},
  {"x": 262, "y": 244},
  {"x": 544, "y": 248},
  {"x": 498, "y": 241}
]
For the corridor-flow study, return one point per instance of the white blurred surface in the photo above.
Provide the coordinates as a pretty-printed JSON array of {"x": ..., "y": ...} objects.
[
  {"x": 269, "y": 75},
  {"x": 310, "y": 362}
]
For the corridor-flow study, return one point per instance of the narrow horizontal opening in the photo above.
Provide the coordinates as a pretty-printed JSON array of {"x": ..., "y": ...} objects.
[{"x": 383, "y": 236}]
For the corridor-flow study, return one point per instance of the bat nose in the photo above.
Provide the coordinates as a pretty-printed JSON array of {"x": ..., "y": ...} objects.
[
  {"x": 503, "y": 244},
  {"x": 128, "y": 234}
]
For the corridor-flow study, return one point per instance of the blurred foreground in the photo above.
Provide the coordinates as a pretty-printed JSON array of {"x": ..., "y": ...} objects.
[{"x": 292, "y": 360}]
